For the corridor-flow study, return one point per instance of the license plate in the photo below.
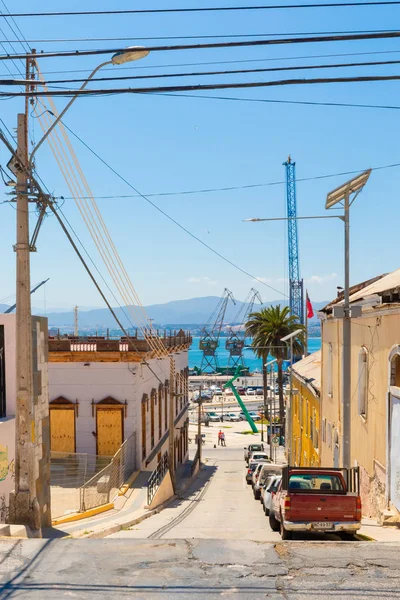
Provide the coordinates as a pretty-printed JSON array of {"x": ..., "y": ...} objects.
[{"x": 323, "y": 525}]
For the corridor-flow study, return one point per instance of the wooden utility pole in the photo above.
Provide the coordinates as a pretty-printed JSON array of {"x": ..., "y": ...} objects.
[{"x": 24, "y": 506}]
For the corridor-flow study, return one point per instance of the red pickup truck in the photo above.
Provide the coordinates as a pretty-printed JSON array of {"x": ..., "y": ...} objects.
[{"x": 317, "y": 499}]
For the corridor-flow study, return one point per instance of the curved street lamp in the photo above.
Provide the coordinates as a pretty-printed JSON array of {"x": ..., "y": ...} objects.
[{"x": 131, "y": 54}]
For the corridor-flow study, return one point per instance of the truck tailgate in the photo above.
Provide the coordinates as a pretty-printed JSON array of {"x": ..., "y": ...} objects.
[{"x": 322, "y": 507}]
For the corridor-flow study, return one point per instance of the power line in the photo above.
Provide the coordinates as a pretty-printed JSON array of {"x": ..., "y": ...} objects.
[
  {"x": 300, "y": 102},
  {"x": 205, "y": 9},
  {"x": 192, "y": 37},
  {"x": 230, "y": 72},
  {"x": 238, "y": 187},
  {"x": 191, "y": 88},
  {"x": 213, "y": 45},
  {"x": 218, "y": 62},
  {"x": 192, "y": 235}
]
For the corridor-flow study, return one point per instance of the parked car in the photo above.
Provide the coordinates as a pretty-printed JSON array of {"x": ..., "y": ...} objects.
[
  {"x": 248, "y": 450},
  {"x": 206, "y": 395},
  {"x": 214, "y": 417},
  {"x": 256, "y": 474},
  {"x": 316, "y": 500},
  {"x": 270, "y": 488},
  {"x": 255, "y": 416},
  {"x": 231, "y": 417},
  {"x": 228, "y": 392},
  {"x": 217, "y": 391},
  {"x": 257, "y": 456},
  {"x": 259, "y": 391},
  {"x": 258, "y": 482},
  {"x": 249, "y": 472},
  {"x": 250, "y": 392},
  {"x": 241, "y": 390}
]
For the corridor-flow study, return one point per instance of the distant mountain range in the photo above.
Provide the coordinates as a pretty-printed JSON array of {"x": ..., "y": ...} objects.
[{"x": 195, "y": 311}]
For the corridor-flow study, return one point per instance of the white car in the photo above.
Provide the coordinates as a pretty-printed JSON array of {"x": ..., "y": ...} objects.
[
  {"x": 250, "y": 392},
  {"x": 213, "y": 417},
  {"x": 271, "y": 486},
  {"x": 231, "y": 417},
  {"x": 257, "y": 456},
  {"x": 217, "y": 391}
]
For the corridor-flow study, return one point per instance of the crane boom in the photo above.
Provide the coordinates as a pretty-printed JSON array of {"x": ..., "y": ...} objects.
[
  {"x": 236, "y": 341},
  {"x": 296, "y": 294},
  {"x": 33, "y": 290},
  {"x": 209, "y": 341}
]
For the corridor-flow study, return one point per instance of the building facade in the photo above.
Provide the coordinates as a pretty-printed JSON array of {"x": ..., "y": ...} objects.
[
  {"x": 102, "y": 393},
  {"x": 305, "y": 412},
  {"x": 375, "y": 391},
  {"x": 8, "y": 393}
]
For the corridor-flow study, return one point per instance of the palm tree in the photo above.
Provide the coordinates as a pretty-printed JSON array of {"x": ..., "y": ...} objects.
[{"x": 266, "y": 328}]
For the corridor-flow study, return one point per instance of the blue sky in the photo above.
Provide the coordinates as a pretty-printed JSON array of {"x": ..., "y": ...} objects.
[{"x": 169, "y": 144}]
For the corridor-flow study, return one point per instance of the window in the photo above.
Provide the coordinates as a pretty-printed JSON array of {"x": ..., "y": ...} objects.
[
  {"x": 324, "y": 430},
  {"x": 363, "y": 382},
  {"x": 152, "y": 420},
  {"x": 330, "y": 367},
  {"x": 143, "y": 429},
  {"x": 160, "y": 412},
  {"x": 330, "y": 435},
  {"x": 166, "y": 407},
  {"x": 307, "y": 420}
]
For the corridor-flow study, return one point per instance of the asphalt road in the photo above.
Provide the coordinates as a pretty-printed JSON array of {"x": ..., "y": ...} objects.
[
  {"x": 198, "y": 569},
  {"x": 219, "y": 505}
]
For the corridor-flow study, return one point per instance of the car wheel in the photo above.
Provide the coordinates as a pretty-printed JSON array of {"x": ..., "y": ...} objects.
[
  {"x": 285, "y": 534},
  {"x": 256, "y": 495},
  {"x": 266, "y": 511},
  {"x": 273, "y": 523}
]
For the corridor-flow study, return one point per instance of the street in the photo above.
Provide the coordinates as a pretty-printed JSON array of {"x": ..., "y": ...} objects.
[{"x": 219, "y": 505}]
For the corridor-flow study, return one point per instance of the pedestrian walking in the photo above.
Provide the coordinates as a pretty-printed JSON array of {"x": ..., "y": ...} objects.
[
  {"x": 219, "y": 437},
  {"x": 223, "y": 443}
]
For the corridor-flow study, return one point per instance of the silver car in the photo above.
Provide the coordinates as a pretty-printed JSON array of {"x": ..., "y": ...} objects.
[
  {"x": 261, "y": 475},
  {"x": 270, "y": 487}
]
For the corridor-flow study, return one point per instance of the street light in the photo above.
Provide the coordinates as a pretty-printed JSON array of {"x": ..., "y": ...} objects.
[
  {"x": 285, "y": 339},
  {"x": 342, "y": 195},
  {"x": 24, "y": 505},
  {"x": 272, "y": 408},
  {"x": 131, "y": 54}
]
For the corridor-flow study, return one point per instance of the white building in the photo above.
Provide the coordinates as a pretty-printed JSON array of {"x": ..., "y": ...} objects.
[{"x": 102, "y": 393}]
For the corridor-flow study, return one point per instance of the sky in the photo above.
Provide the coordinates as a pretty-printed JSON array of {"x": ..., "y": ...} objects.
[{"x": 169, "y": 144}]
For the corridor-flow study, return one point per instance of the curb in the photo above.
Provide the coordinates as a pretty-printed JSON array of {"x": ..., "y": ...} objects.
[
  {"x": 135, "y": 521},
  {"x": 84, "y": 515}
]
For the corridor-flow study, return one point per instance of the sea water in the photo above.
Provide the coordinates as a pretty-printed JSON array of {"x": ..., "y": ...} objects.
[{"x": 251, "y": 361}]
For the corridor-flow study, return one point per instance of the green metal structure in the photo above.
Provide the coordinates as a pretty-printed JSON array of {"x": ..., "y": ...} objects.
[{"x": 230, "y": 384}]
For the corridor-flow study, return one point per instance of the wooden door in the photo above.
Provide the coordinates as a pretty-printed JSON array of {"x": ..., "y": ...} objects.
[
  {"x": 62, "y": 429},
  {"x": 109, "y": 431}
]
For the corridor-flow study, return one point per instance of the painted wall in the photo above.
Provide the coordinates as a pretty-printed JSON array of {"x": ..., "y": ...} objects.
[
  {"x": 9, "y": 338},
  {"x": 84, "y": 383},
  {"x": 375, "y": 333},
  {"x": 305, "y": 426},
  {"x": 7, "y": 456}
]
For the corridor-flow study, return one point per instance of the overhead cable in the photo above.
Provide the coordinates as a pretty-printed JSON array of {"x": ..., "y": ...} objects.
[
  {"x": 146, "y": 198},
  {"x": 230, "y": 72},
  {"x": 206, "y": 9},
  {"x": 194, "y": 87},
  {"x": 213, "y": 45}
]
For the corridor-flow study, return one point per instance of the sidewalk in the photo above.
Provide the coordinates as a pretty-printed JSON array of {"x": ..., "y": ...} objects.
[
  {"x": 129, "y": 510},
  {"x": 371, "y": 529}
]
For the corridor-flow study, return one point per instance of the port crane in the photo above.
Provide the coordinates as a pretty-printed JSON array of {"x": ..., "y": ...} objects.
[
  {"x": 296, "y": 289},
  {"x": 237, "y": 339},
  {"x": 209, "y": 340}
]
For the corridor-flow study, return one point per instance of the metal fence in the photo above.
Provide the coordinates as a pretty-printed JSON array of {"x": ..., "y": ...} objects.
[
  {"x": 103, "y": 486},
  {"x": 156, "y": 478},
  {"x": 82, "y": 481}
]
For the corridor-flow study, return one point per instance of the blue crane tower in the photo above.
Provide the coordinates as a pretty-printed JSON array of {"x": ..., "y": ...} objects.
[{"x": 296, "y": 292}]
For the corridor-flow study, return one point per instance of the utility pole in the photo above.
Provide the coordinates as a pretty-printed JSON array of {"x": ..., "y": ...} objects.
[
  {"x": 76, "y": 327},
  {"x": 24, "y": 506},
  {"x": 199, "y": 424},
  {"x": 346, "y": 355}
]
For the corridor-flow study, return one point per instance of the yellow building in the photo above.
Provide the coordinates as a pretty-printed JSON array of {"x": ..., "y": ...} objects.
[
  {"x": 305, "y": 413},
  {"x": 375, "y": 391}
]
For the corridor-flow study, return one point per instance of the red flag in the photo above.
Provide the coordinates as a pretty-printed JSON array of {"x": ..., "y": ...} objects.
[{"x": 310, "y": 312}]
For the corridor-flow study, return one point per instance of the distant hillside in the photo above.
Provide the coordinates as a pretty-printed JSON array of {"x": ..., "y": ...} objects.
[{"x": 195, "y": 311}]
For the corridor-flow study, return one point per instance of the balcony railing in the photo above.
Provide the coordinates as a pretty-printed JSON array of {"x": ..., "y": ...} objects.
[{"x": 100, "y": 344}]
